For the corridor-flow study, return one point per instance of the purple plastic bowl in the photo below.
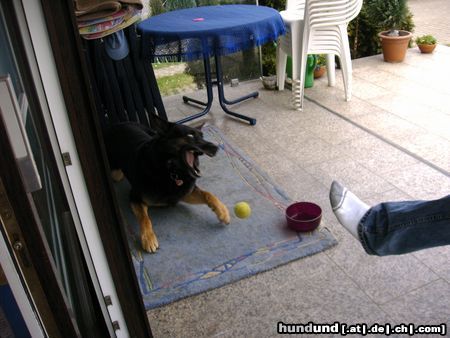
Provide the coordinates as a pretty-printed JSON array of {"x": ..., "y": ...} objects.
[{"x": 303, "y": 216}]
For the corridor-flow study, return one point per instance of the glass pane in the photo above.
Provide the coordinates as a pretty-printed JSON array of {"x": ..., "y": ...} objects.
[{"x": 11, "y": 320}]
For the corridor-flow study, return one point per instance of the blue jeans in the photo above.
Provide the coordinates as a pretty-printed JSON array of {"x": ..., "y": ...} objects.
[{"x": 395, "y": 228}]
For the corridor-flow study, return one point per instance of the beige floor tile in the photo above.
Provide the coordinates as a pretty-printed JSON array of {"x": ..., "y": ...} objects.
[
  {"x": 437, "y": 260},
  {"x": 352, "y": 174},
  {"x": 320, "y": 292},
  {"x": 442, "y": 161},
  {"x": 382, "y": 279},
  {"x": 387, "y": 196},
  {"x": 389, "y": 125},
  {"x": 420, "y": 181},
  {"x": 381, "y": 157},
  {"x": 426, "y": 305},
  {"x": 311, "y": 151},
  {"x": 430, "y": 147}
]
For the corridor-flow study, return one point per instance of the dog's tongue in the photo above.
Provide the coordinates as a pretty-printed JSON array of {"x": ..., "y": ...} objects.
[
  {"x": 190, "y": 158},
  {"x": 191, "y": 161}
]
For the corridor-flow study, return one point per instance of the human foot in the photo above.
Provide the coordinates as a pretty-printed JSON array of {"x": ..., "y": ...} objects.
[{"x": 348, "y": 208}]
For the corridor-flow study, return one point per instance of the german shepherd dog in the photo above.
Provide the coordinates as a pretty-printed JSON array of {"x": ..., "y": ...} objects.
[{"x": 161, "y": 164}]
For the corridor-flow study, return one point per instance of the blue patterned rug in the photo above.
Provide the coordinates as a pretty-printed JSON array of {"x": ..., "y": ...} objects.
[{"x": 196, "y": 252}]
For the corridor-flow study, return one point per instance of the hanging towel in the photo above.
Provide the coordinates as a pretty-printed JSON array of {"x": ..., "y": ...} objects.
[
  {"x": 119, "y": 15},
  {"x": 94, "y": 9},
  {"x": 126, "y": 23}
]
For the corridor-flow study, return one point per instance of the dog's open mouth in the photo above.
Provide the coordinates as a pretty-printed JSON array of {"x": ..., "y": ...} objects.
[
  {"x": 191, "y": 159},
  {"x": 193, "y": 152}
]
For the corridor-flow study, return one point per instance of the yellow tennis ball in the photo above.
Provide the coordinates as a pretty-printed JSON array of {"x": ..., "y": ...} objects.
[{"x": 242, "y": 210}]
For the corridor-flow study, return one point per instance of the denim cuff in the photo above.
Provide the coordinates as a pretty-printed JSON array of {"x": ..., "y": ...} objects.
[{"x": 362, "y": 236}]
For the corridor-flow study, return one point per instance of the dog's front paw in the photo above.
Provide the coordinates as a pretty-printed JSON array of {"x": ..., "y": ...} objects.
[
  {"x": 222, "y": 213},
  {"x": 149, "y": 241}
]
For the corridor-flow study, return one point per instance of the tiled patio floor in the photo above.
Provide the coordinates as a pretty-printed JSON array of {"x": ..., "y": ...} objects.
[
  {"x": 430, "y": 17},
  {"x": 390, "y": 142}
]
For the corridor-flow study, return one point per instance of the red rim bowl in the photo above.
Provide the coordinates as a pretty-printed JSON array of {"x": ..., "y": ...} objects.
[{"x": 303, "y": 216}]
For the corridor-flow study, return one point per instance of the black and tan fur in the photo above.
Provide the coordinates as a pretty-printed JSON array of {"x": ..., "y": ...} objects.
[{"x": 161, "y": 164}]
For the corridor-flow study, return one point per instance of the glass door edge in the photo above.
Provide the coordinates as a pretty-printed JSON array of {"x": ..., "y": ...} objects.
[{"x": 18, "y": 290}]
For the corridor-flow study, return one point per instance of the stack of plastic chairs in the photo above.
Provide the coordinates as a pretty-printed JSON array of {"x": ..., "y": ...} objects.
[
  {"x": 322, "y": 30},
  {"x": 291, "y": 42}
]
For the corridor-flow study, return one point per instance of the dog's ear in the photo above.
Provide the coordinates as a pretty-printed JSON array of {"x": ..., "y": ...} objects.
[{"x": 159, "y": 124}]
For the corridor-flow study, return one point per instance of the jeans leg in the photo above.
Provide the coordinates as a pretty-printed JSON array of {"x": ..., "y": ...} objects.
[{"x": 395, "y": 228}]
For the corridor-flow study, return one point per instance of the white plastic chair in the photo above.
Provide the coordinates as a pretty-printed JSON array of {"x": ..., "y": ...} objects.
[
  {"x": 290, "y": 43},
  {"x": 325, "y": 32}
]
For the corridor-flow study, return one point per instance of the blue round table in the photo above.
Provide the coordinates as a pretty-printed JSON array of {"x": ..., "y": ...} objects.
[{"x": 203, "y": 32}]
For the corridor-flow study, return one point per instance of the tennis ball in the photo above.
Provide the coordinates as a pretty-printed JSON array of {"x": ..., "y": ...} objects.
[{"x": 242, "y": 210}]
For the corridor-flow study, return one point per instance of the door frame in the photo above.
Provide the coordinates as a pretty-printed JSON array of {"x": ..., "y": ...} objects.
[{"x": 85, "y": 126}]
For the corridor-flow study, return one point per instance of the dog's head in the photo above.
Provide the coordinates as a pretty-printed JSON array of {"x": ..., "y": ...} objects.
[{"x": 182, "y": 146}]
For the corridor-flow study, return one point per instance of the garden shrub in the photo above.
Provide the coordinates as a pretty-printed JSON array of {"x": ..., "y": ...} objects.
[{"x": 377, "y": 16}]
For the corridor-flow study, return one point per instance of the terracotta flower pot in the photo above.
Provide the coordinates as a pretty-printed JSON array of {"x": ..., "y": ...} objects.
[
  {"x": 394, "y": 47},
  {"x": 319, "y": 71},
  {"x": 426, "y": 49}
]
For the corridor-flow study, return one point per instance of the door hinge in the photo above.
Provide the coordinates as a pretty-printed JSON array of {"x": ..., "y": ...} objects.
[
  {"x": 108, "y": 300},
  {"x": 116, "y": 325},
  {"x": 67, "y": 160}
]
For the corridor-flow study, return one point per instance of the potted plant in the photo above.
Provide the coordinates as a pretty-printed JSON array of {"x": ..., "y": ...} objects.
[
  {"x": 426, "y": 43},
  {"x": 321, "y": 66},
  {"x": 268, "y": 50},
  {"x": 269, "y": 77},
  {"x": 389, "y": 16}
]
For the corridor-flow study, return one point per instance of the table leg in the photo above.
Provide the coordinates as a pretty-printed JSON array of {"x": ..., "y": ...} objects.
[
  {"x": 209, "y": 94},
  {"x": 223, "y": 101}
]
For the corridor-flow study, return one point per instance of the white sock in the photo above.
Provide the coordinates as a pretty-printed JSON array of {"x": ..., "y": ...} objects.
[{"x": 348, "y": 208}]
